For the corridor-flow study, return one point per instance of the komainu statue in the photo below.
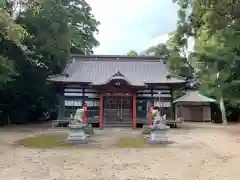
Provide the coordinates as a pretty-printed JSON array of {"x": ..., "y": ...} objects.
[{"x": 78, "y": 117}]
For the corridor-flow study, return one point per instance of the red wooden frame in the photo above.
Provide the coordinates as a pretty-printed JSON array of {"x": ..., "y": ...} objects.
[
  {"x": 85, "y": 107},
  {"x": 101, "y": 112},
  {"x": 150, "y": 115},
  {"x": 134, "y": 112},
  {"x": 110, "y": 90}
]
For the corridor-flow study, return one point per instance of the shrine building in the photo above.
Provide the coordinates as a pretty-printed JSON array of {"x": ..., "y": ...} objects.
[{"x": 118, "y": 90}]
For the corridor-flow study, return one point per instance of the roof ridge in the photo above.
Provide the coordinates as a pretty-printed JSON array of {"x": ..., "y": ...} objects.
[
  {"x": 125, "y": 58},
  {"x": 182, "y": 97}
]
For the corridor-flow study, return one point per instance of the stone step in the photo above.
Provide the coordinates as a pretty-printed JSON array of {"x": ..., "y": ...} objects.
[
  {"x": 117, "y": 125},
  {"x": 117, "y": 122}
]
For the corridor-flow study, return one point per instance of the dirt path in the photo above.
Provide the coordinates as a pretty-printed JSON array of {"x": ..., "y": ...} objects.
[{"x": 210, "y": 153}]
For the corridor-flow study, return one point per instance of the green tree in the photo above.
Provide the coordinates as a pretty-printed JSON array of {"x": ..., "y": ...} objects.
[
  {"x": 54, "y": 29},
  {"x": 132, "y": 53},
  {"x": 9, "y": 31},
  {"x": 173, "y": 55},
  {"x": 159, "y": 50},
  {"x": 215, "y": 27},
  {"x": 12, "y": 32},
  {"x": 178, "y": 59}
]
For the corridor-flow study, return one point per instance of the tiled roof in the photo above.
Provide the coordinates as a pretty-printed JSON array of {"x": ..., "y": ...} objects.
[
  {"x": 137, "y": 71},
  {"x": 194, "y": 96}
]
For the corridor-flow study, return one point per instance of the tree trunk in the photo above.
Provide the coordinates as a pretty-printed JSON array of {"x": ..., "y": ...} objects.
[{"x": 223, "y": 111}]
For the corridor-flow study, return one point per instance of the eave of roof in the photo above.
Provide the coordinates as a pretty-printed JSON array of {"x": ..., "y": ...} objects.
[
  {"x": 138, "y": 71},
  {"x": 194, "y": 96}
]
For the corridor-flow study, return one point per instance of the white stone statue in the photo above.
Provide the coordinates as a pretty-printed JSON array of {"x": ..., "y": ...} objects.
[
  {"x": 77, "y": 134},
  {"x": 158, "y": 130},
  {"x": 157, "y": 117},
  {"x": 78, "y": 117},
  {"x": 164, "y": 118},
  {"x": 154, "y": 114}
]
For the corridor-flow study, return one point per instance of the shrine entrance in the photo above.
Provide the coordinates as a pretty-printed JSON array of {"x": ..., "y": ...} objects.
[{"x": 117, "y": 111}]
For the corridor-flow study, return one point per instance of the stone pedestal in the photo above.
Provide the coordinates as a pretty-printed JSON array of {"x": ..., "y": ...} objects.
[
  {"x": 77, "y": 134},
  {"x": 146, "y": 129},
  {"x": 88, "y": 129},
  {"x": 158, "y": 135}
]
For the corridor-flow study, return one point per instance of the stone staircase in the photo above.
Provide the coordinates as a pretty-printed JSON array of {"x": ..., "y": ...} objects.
[{"x": 125, "y": 123}]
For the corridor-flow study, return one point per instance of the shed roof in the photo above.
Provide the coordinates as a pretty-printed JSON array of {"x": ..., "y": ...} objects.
[
  {"x": 98, "y": 70},
  {"x": 194, "y": 96}
]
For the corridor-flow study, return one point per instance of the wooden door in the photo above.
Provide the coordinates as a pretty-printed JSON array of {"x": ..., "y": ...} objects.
[{"x": 117, "y": 111}]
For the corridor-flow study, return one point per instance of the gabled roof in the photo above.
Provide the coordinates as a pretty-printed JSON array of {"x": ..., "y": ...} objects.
[
  {"x": 116, "y": 76},
  {"x": 194, "y": 96},
  {"x": 137, "y": 71}
]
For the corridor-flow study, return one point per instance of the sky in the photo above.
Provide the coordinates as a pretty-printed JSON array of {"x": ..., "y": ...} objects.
[{"x": 132, "y": 24}]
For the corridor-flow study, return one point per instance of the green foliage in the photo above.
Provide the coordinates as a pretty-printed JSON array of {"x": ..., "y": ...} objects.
[
  {"x": 178, "y": 60},
  {"x": 35, "y": 42},
  {"x": 173, "y": 54},
  {"x": 214, "y": 24},
  {"x": 132, "y": 53},
  {"x": 159, "y": 50},
  {"x": 6, "y": 70},
  {"x": 9, "y": 29}
]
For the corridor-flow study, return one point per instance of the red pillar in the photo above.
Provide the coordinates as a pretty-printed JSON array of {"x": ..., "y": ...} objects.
[
  {"x": 101, "y": 113},
  {"x": 150, "y": 115},
  {"x": 85, "y": 107},
  {"x": 134, "y": 112}
]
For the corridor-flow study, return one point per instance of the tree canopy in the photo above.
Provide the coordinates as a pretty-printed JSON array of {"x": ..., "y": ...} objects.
[
  {"x": 36, "y": 38},
  {"x": 214, "y": 25},
  {"x": 174, "y": 56},
  {"x": 132, "y": 53},
  {"x": 213, "y": 65}
]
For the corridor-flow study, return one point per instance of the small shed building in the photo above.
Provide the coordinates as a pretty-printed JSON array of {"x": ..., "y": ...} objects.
[{"x": 193, "y": 106}]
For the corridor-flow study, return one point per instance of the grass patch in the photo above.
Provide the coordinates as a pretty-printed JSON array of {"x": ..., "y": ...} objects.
[
  {"x": 45, "y": 141},
  {"x": 140, "y": 142},
  {"x": 131, "y": 142}
]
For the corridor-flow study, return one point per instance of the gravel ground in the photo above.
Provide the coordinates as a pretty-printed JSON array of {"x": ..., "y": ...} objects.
[{"x": 198, "y": 153}]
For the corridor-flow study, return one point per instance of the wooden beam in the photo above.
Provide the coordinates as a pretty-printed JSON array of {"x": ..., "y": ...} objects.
[
  {"x": 134, "y": 112},
  {"x": 152, "y": 101},
  {"x": 60, "y": 106},
  {"x": 172, "y": 106},
  {"x": 83, "y": 98},
  {"x": 101, "y": 112}
]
